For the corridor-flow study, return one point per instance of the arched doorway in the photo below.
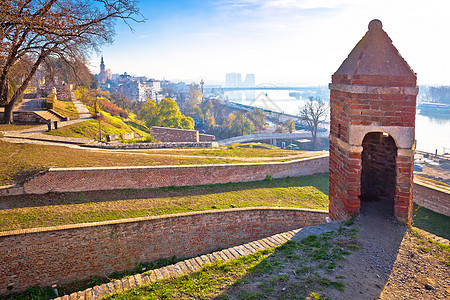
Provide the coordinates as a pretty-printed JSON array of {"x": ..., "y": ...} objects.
[{"x": 378, "y": 174}]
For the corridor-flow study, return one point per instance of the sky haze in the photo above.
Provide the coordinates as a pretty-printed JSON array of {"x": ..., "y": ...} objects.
[{"x": 281, "y": 41}]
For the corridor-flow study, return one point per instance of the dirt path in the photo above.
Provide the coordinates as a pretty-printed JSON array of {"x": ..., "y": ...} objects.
[
  {"x": 387, "y": 261},
  {"x": 391, "y": 264}
]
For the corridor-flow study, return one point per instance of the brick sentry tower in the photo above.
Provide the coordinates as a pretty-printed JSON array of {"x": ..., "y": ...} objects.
[{"x": 373, "y": 107}]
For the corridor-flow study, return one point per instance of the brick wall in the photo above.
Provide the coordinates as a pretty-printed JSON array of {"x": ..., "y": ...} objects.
[
  {"x": 88, "y": 179},
  {"x": 362, "y": 109},
  {"x": 174, "y": 134},
  {"x": 206, "y": 137},
  {"x": 435, "y": 199},
  {"x": 62, "y": 254}
]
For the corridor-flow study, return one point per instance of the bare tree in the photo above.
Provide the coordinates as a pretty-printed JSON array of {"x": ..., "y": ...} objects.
[
  {"x": 32, "y": 30},
  {"x": 313, "y": 113}
]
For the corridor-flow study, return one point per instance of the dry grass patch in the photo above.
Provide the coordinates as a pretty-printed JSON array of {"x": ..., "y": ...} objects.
[
  {"x": 66, "y": 108},
  {"x": 20, "y": 161},
  {"x": 13, "y": 127}
]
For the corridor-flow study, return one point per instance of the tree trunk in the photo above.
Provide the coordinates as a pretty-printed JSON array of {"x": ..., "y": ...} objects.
[{"x": 7, "y": 115}]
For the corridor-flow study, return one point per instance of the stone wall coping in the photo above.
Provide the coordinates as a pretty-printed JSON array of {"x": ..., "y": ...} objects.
[
  {"x": 186, "y": 166},
  {"x": 173, "y": 129},
  {"x": 378, "y": 90},
  {"x": 158, "y": 217},
  {"x": 431, "y": 186},
  {"x": 403, "y": 136}
]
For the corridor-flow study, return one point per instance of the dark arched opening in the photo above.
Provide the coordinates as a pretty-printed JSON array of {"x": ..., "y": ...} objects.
[{"x": 378, "y": 175}]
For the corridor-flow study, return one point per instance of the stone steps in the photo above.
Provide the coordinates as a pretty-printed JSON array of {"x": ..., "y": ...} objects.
[{"x": 47, "y": 115}]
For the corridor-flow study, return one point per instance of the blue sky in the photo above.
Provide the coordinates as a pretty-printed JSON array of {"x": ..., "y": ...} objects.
[{"x": 281, "y": 41}]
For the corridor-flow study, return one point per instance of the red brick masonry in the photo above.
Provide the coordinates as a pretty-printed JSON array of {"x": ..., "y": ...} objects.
[
  {"x": 174, "y": 134},
  {"x": 433, "y": 198},
  {"x": 65, "y": 253},
  {"x": 88, "y": 179}
]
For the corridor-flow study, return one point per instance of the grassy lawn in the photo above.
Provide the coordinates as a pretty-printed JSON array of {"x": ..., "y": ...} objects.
[
  {"x": 66, "y": 108},
  {"x": 89, "y": 128},
  {"x": 430, "y": 221},
  {"x": 30, "y": 211}
]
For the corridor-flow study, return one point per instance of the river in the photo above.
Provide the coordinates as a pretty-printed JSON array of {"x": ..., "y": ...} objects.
[{"x": 432, "y": 132}]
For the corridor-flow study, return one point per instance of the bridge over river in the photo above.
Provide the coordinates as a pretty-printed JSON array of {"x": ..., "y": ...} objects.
[
  {"x": 269, "y": 136},
  {"x": 261, "y": 87}
]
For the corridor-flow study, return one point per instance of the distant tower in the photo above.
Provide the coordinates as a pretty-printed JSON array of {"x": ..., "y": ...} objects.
[
  {"x": 102, "y": 66},
  {"x": 105, "y": 74}
]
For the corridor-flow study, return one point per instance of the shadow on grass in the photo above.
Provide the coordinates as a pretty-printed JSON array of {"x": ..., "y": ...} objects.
[
  {"x": 432, "y": 222},
  {"x": 319, "y": 181}
]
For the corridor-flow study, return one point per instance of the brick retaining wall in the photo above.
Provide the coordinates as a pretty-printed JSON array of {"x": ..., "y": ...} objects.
[
  {"x": 432, "y": 198},
  {"x": 89, "y": 179},
  {"x": 174, "y": 134},
  {"x": 63, "y": 254},
  {"x": 202, "y": 137}
]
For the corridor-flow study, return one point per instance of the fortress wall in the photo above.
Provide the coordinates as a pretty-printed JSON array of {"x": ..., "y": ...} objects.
[
  {"x": 89, "y": 179},
  {"x": 435, "y": 199},
  {"x": 174, "y": 134},
  {"x": 44, "y": 256}
]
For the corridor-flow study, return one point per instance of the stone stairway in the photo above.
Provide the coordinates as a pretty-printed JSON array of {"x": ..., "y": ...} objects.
[
  {"x": 317, "y": 230},
  {"x": 48, "y": 115}
]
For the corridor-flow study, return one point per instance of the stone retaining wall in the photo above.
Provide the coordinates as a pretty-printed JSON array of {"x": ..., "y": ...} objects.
[
  {"x": 28, "y": 117},
  {"x": 89, "y": 179},
  {"x": 44, "y": 256}
]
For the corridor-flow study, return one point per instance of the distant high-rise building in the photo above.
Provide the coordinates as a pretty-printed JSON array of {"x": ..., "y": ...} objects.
[
  {"x": 249, "y": 80},
  {"x": 233, "y": 79}
]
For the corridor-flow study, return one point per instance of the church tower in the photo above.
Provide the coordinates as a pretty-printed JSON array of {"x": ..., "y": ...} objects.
[{"x": 102, "y": 66}]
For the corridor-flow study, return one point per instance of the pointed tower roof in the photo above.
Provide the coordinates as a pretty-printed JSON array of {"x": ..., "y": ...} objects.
[{"x": 375, "y": 55}]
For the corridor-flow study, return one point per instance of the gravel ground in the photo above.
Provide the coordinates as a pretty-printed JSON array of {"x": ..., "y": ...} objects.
[{"x": 391, "y": 263}]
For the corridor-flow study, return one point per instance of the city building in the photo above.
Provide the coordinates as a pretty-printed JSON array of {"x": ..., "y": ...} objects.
[{"x": 134, "y": 90}]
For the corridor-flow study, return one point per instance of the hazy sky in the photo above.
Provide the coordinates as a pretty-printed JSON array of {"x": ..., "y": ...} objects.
[{"x": 281, "y": 41}]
